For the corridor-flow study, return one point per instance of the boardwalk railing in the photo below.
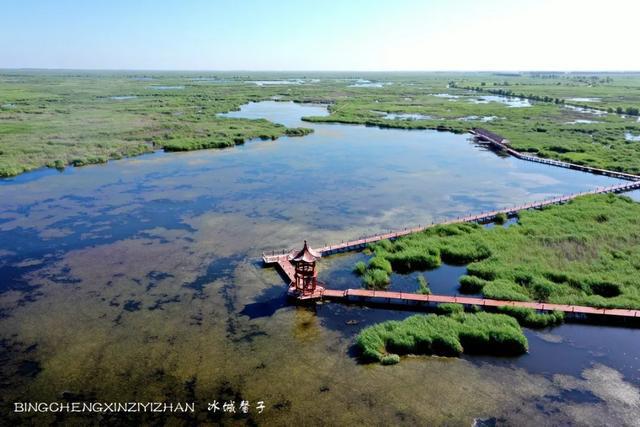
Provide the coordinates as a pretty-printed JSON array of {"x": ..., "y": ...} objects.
[{"x": 497, "y": 141}]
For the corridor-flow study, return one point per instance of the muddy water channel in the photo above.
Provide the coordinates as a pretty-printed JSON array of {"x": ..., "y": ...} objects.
[{"x": 140, "y": 280}]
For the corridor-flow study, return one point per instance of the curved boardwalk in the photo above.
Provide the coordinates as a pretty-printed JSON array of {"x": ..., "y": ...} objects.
[
  {"x": 501, "y": 143},
  {"x": 281, "y": 258}
]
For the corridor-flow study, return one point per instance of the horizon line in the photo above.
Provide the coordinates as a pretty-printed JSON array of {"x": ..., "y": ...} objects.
[{"x": 567, "y": 71}]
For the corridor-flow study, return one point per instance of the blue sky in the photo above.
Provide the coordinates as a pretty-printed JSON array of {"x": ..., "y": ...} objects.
[{"x": 320, "y": 35}]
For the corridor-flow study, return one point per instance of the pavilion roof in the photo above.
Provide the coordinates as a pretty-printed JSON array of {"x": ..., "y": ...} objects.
[{"x": 306, "y": 254}]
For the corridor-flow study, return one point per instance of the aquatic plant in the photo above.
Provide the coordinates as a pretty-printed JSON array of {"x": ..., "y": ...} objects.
[
  {"x": 449, "y": 308},
  {"x": 450, "y": 335},
  {"x": 471, "y": 284},
  {"x": 380, "y": 263},
  {"x": 390, "y": 359},
  {"x": 531, "y": 319},
  {"x": 423, "y": 285},
  {"x": 501, "y": 218},
  {"x": 375, "y": 279},
  {"x": 298, "y": 131},
  {"x": 566, "y": 254},
  {"x": 360, "y": 268}
]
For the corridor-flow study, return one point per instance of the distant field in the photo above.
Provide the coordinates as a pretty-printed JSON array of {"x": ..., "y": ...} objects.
[{"x": 60, "y": 118}]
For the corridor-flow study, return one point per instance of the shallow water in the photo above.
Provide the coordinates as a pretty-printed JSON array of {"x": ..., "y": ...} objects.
[
  {"x": 446, "y": 95},
  {"x": 629, "y": 136},
  {"x": 367, "y": 83},
  {"x": 581, "y": 122},
  {"x": 510, "y": 101},
  {"x": 275, "y": 82},
  {"x": 584, "y": 99},
  {"x": 403, "y": 116},
  {"x": 159, "y": 87},
  {"x": 140, "y": 279},
  {"x": 483, "y": 119},
  {"x": 123, "y": 97},
  {"x": 586, "y": 110}
]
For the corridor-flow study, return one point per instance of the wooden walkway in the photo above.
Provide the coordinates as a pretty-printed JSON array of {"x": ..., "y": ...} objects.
[
  {"x": 287, "y": 268},
  {"x": 404, "y": 298},
  {"x": 499, "y": 142},
  {"x": 419, "y": 300},
  {"x": 281, "y": 258}
]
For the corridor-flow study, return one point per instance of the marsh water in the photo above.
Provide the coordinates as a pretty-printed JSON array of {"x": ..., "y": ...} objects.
[{"x": 141, "y": 280}]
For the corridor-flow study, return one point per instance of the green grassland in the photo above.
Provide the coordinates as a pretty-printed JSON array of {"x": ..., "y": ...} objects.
[
  {"x": 74, "y": 117},
  {"x": 60, "y": 119},
  {"x": 442, "y": 335},
  {"x": 586, "y": 252}
]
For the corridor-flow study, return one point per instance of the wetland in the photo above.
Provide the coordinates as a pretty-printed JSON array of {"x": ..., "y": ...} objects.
[{"x": 140, "y": 278}]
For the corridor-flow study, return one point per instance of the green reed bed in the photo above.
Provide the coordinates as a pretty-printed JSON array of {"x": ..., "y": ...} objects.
[
  {"x": 529, "y": 318},
  {"x": 423, "y": 285},
  {"x": 586, "y": 252},
  {"x": 442, "y": 335}
]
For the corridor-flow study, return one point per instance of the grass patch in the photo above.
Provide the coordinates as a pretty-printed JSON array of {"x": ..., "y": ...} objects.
[
  {"x": 529, "y": 318},
  {"x": 423, "y": 285},
  {"x": 380, "y": 263},
  {"x": 471, "y": 284},
  {"x": 376, "y": 279},
  {"x": 360, "y": 268},
  {"x": 500, "y": 218},
  {"x": 450, "y": 308},
  {"x": 586, "y": 252},
  {"x": 450, "y": 335}
]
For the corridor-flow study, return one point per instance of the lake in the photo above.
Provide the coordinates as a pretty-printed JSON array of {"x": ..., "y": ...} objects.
[{"x": 141, "y": 279}]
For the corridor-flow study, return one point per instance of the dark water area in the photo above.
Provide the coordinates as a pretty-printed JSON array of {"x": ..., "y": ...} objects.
[
  {"x": 140, "y": 279},
  {"x": 442, "y": 280}
]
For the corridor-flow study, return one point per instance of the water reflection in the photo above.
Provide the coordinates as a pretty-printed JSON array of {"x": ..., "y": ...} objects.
[
  {"x": 631, "y": 137},
  {"x": 586, "y": 110},
  {"x": 510, "y": 101}
]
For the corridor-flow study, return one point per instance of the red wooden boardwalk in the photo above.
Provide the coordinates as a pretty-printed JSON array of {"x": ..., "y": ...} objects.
[
  {"x": 287, "y": 268},
  {"x": 365, "y": 295}
]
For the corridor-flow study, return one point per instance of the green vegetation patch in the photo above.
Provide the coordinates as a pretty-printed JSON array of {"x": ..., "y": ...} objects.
[
  {"x": 423, "y": 285},
  {"x": 450, "y": 335},
  {"x": 530, "y": 318},
  {"x": 586, "y": 252},
  {"x": 225, "y": 133}
]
